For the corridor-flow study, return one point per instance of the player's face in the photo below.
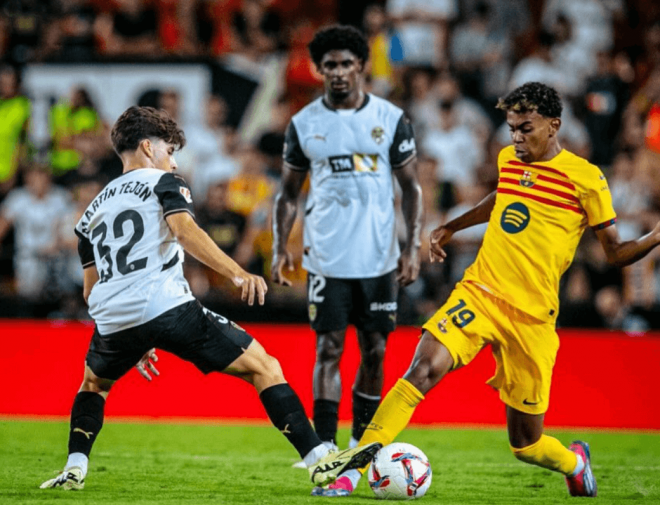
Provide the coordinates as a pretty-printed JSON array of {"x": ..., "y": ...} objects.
[
  {"x": 531, "y": 134},
  {"x": 163, "y": 155},
  {"x": 341, "y": 71}
]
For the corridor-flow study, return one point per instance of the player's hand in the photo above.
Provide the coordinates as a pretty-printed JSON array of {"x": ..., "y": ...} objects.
[
  {"x": 146, "y": 364},
  {"x": 438, "y": 239},
  {"x": 408, "y": 267},
  {"x": 251, "y": 286},
  {"x": 281, "y": 260}
]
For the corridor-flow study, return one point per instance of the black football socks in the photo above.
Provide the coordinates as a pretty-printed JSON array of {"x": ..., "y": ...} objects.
[
  {"x": 86, "y": 421},
  {"x": 364, "y": 408},
  {"x": 287, "y": 414},
  {"x": 326, "y": 415}
]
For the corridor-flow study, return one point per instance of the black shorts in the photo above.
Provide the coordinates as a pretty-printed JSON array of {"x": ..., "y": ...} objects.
[
  {"x": 369, "y": 304},
  {"x": 191, "y": 332}
]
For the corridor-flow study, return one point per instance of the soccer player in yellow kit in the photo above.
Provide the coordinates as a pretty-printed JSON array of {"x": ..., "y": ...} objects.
[{"x": 546, "y": 197}]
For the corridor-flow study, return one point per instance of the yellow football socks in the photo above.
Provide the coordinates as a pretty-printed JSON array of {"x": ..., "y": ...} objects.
[
  {"x": 549, "y": 453},
  {"x": 393, "y": 415}
]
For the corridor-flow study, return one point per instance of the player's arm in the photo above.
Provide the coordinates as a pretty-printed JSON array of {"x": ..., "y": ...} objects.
[
  {"x": 284, "y": 215},
  {"x": 411, "y": 206},
  {"x": 294, "y": 171},
  {"x": 90, "y": 277},
  {"x": 196, "y": 242},
  {"x": 479, "y": 214},
  {"x": 621, "y": 253}
]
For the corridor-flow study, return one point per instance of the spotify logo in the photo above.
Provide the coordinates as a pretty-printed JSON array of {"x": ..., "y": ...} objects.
[{"x": 515, "y": 218}]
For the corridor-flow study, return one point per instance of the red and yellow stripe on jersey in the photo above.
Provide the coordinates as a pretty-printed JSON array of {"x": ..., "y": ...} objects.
[{"x": 540, "y": 213}]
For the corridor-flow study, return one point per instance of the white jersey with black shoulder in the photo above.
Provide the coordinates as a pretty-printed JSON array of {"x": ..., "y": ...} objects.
[
  {"x": 349, "y": 224},
  {"x": 124, "y": 234}
]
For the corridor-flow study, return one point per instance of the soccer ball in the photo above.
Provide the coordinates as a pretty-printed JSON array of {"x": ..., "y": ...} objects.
[{"x": 400, "y": 472}]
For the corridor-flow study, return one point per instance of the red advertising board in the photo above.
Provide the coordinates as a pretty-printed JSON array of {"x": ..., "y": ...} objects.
[{"x": 602, "y": 379}]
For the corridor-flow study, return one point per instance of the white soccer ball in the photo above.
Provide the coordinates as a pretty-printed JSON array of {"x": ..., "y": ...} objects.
[{"x": 400, "y": 472}]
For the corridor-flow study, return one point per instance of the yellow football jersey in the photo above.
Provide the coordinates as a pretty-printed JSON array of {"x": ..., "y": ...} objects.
[{"x": 540, "y": 213}]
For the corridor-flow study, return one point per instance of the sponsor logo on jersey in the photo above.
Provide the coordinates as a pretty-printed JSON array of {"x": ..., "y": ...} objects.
[
  {"x": 312, "y": 311},
  {"x": 407, "y": 145},
  {"x": 515, "y": 218},
  {"x": 378, "y": 134},
  {"x": 383, "y": 307},
  {"x": 442, "y": 325},
  {"x": 236, "y": 326},
  {"x": 528, "y": 179},
  {"x": 356, "y": 162},
  {"x": 186, "y": 194},
  {"x": 319, "y": 137}
]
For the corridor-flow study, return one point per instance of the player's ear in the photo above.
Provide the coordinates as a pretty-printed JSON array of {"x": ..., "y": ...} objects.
[
  {"x": 147, "y": 147},
  {"x": 555, "y": 124}
]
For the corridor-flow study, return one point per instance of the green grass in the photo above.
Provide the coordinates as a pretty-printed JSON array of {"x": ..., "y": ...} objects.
[{"x": 199, "y": 464}]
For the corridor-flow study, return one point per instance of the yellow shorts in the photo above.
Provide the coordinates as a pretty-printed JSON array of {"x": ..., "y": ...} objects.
[{"x": 524, "y": 347}]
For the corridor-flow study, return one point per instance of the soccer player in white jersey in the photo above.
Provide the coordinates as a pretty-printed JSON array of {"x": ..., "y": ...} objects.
[
  {"x": 131, "y": 243},
  {"x": 352, "y": 144}
]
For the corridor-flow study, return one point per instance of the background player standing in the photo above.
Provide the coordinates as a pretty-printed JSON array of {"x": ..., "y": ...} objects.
[
  {"x": 131, "y": 243},
  {"x": 545, "y": 199},
  {"x": 351, "y": 143}
]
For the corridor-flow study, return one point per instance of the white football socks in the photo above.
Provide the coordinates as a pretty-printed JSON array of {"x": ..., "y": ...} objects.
[
  {"x": 77, "y": 459},
  {"x": 315, "y": 454},
  {"x": 353, "y": 475}
]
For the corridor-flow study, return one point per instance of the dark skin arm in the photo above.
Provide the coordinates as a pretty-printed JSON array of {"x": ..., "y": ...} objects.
[
  {"x": 622, "y": 254},
  {"x": 411, "y": 205},
  {"x": 284, "y": 215},
  {"x": 479, "y": 214}
]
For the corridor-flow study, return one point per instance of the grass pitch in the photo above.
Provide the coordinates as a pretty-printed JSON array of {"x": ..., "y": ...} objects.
[{"x": 215, "y": 464}]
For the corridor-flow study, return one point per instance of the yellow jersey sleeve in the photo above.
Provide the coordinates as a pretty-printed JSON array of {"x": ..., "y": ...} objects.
[{"x": 596, "y": 198}]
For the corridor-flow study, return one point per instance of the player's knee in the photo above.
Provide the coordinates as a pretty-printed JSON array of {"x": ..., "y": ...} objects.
[
  {"x": 94, "y": 384},
  {"x": 272, "y": 369},
  {"x": 372, "y": 359},
  {"x": 329, "y": 351},
  {"x": 424, "y": 373}
]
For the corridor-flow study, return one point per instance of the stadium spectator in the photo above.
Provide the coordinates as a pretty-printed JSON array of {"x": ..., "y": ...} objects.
[
  {"x": 377, "y": 29},
  {"x": 35, "y": 211},
  {"x": 207, "y": 154},
  {"x": 457, "y": 149},
  {"x": 481, "y": 54},
  {"x": 421, "y": 28},
  {"x": 15, "y": 110},
  {"x": 69, "y": 37},
  {"x": 130, "y": 30},
  {"x": 351, "y": 143},
  {"x": 605, "y": 98},
  {"x": 77, "y": 131}
]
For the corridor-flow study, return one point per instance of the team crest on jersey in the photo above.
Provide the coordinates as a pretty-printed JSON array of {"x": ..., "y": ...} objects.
[
  {"x": 186, "y": 194},
  {"x": 312, "y": 311},
  {"x": 515, "y": 218},
  {"x": 378, "y": 134},
  {"x": 528, "y": 179}
]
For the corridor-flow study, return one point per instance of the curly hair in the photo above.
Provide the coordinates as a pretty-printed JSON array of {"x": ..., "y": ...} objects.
[
  {"x": 139, "y": 123},
  {"x": 533, "y": 96},
  {"x": 338, "y": 37}
]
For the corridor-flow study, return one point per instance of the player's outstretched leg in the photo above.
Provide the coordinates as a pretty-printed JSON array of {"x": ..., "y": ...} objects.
[
  {"x": 86, "y": 423},
  {"x": 430, "y": 363}
]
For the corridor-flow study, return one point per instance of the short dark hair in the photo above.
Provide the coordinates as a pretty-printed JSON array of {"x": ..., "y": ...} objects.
[
  {"x": 533, "y": 96},
  {"x": 139, "y": 123},
  {"x": 338, "y": 37}
]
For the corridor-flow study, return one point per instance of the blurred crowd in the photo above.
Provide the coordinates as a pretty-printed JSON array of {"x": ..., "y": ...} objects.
[{"x": 445, "y": 62}]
